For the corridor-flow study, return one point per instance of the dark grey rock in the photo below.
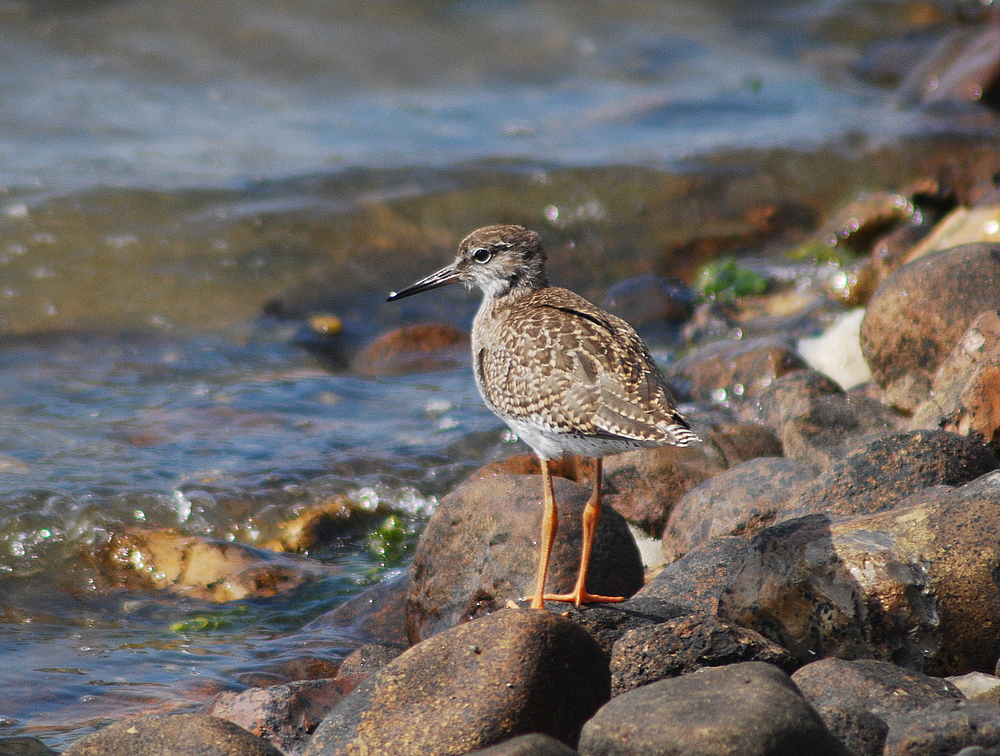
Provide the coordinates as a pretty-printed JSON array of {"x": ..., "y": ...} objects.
[
  {"x": 945, "y": 728},
  {"x": 751, "y": 709},
  {"x": 534, "y": 744},
  {"x": 699, "y": 577}
]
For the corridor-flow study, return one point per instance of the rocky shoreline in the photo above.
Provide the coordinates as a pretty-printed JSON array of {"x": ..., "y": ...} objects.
[{"x": 831, "y": 558}]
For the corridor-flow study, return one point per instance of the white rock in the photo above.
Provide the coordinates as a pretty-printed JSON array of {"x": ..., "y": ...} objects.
[{"x": 837, "y": 351}]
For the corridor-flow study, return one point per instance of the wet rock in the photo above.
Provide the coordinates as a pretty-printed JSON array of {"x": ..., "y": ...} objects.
[
  {"x": 283, "y": 715},
  {"x": 946, "y": 727},
  {"x": 876, "y": 476},
  {"x": 205, "y": 569},
  {"x": 859, "y": 700},
  {"x": 890, "y": 585},
  {"x": 750, "y": 708},
  {"x": 377, "y": 614},
  {"x": 174, "y": 734},
  {"x": 318, "y": 524},
  {"x": 677, "y": 646},
  {"x": 479, "y": 550},
  {"x": 369, "y": 658},
  {"x": 513, "y": 672},
  {"x": 699, "y": 577},
  {"x": 740, "y": 501},
  {"x": 533, "y": 744},
  {"x": 977, "y": 686},
  {"x": 414, "y": 349},
  {"x": 734, "y": 370},
  {"x": 967, "y": 385},
  {"x": 24, "y": 746},
  {"x": 644, "y": 485},
  {"x": 921, "y": 311},
  {"x": 963, "y": 225}
]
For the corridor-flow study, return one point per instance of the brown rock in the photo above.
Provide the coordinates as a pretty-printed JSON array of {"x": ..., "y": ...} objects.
[
  {"x": 791, "y": 396},
  {"x": 876, "y": 476},
  {"x": 283, "y": 715},
  {"x": 24, "y": 746},
  {"x": 479, "y": 550},
  {"x": 699, "y": 577},
  {"x": 890, "y": 585},
  {"x": 206, "y": 569},
  {"x": 735, "y": 370},
  {"x": 849, "y": 695},
  {"x": 414, "y": 349},
  {"x": 920, "y": 312},
  {"x": 750, "y": 708},
  {"x": 534, "y": 744},
  {"x": 513, "y": 672},
  {"x": 740, "y": 501},
  {"x": 644, "y": 485},
  {"x": 677, "y": 646},
  {"x": 369, "y": 658},
  {"x": 606, "y": 623},
  {"x": 966, "y": 388},
  {"x": 173, "y": 734},
  {"x": 944, "y": 728}
]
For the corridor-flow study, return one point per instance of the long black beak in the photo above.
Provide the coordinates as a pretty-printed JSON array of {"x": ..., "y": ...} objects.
[{"x": 443, "y": 277}]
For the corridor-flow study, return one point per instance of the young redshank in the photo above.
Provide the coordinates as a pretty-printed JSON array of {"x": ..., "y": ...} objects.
[{"x": 567, "y": 377}]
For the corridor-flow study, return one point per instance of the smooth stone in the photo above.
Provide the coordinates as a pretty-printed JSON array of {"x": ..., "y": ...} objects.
[
  {"x": 978, "y": 686},
  {"x": 173, "y": 735},
  {"x": 533, "y": 744},
  {"x": 377, "y": 614},
  {"x": 740, "y": 501},
  {"x": 510, "y": 673},
  {"x": 24, "y": 746},
  {"x": 920, "y": 312},
  {"x": 479, "y": 551},
  {"x": 369, "y": 658},
  {"x": 414, "y": 349},
  {"x": 837, "y": 351},
  {"x": 946, "y": 727},
  {"x": 751, "y": 708}
]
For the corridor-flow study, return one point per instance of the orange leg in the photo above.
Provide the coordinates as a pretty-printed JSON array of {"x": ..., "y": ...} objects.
[
  {"x": 591, "y": 516},
  {"x": 550, "y": 524}
]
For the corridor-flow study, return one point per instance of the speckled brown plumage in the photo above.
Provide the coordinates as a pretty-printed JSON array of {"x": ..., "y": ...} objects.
[{"x": 566, "y": 376}]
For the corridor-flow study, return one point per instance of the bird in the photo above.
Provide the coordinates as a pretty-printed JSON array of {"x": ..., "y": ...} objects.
[{"x": 564, "y": 375}]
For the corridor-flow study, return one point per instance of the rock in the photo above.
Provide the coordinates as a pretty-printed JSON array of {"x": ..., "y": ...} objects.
[
  {"x": 966, "y": 386},
  {"x": 698, "y": 578},
  {"x": 837, "y": 351},
  {"x": 479, "y": 551},
  {"x": 283, "y": 715},
  {"x": 606, "y": 623},
  {"x": 204, "y": 569},
  {"x": 414, "y": 349},
  {"x": 792, "y": 395},
  {"x": 885, "y": 689},
  {"x": 655, "y": 306},
  {"x": 750, "y": 708},
  {"x": 890, "y": 585},
  {"x": 977, "y": 686},
  {"x": 963, "y": 225},
  {"x": 878, "y": 475},
  {"x": 921, "y": 311},
  {"x": 740, "y": 501},
  {"x": 644, "y": 485},
  {"x": 173, "y": 734},
  {"x": 677, "y": 646},
  {"x": 533, "y": 744},
  {"x": 725, "y": 371},
  {"x": 369, "y": 658},
  {"x": 377, "y": 614},
  {"x": 946, "y": 727},
  {"x": 24, "y": 746},
  {"x": 512, "y": 672}
]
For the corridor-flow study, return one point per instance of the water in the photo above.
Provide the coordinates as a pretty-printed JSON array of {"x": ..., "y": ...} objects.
[{"x": 180, "y": 194}]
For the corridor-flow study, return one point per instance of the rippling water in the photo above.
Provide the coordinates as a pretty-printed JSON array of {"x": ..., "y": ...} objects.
[{"x": 180, "y": 193}]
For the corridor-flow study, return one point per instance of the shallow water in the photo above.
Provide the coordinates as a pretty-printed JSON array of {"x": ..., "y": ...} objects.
[{"x": 177, "y": 199}]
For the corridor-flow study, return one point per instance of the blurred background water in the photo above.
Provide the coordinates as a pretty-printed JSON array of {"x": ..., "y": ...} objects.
[{"x": 185, "y": 187}]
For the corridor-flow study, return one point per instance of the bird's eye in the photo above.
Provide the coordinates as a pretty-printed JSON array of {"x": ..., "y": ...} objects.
[{"x": 481, "y": 255}]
